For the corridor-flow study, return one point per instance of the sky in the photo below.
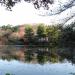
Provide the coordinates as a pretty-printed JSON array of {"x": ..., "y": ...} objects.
[{"x": 62, "y": 12}]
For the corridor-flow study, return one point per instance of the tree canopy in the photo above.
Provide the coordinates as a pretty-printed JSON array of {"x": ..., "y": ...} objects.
[{"x": 37, "y": 3}]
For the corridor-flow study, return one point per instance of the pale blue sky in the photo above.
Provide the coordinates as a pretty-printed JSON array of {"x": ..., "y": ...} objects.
[{"x": 26, "y": 13}]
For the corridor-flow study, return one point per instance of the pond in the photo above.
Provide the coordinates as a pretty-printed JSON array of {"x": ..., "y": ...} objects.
[{"x": 23, "y": 60}]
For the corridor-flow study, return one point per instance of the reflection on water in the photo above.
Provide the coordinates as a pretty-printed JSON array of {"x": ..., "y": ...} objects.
[{"x": 23, "y": 60}]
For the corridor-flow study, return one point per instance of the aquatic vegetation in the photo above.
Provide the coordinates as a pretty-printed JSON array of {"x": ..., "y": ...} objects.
[{"x": 9, "y": 74}]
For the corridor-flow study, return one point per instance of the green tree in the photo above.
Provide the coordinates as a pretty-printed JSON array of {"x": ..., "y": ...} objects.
[
  {"x": 15, "y": 28},
  {"x": 53, "y": 33},
  {"x": 6, "y": 27},
  {"x": 29, "y": 33},
  {"x": 68, "y": 35},
  {"x": 41, "y": 31}
]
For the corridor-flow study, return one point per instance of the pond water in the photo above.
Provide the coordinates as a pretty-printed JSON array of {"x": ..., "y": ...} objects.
[{"x": 36, "y": 61}]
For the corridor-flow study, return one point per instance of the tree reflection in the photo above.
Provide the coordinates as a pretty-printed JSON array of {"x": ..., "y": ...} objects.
[{"x": 39, "y": 55}]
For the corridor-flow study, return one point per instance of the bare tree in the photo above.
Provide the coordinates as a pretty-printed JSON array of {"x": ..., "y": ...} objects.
[{"x": 37, "y": 3}]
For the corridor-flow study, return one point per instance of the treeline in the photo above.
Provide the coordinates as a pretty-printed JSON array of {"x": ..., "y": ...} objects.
[
  {"x": 42, "y": 35},
  {"x": 39, "y": 35}
]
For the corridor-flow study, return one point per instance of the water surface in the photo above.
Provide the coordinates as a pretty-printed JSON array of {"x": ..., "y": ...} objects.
[{"x": 22, "y": 60}]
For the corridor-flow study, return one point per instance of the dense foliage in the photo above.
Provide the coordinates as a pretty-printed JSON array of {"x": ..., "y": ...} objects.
[{"x": 39, "y": 35}]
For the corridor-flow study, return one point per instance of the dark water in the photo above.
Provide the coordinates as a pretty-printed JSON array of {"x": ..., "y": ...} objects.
[{"x": 21, "y": 60}]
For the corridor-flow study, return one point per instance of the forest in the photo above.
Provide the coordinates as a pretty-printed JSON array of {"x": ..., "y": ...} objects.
[{"x": 38, "y": 35}]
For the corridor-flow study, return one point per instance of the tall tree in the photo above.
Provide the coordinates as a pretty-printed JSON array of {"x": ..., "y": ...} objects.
[
  {"x": 29, "y": 33},
  {"x": 53, "y": 33}
]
